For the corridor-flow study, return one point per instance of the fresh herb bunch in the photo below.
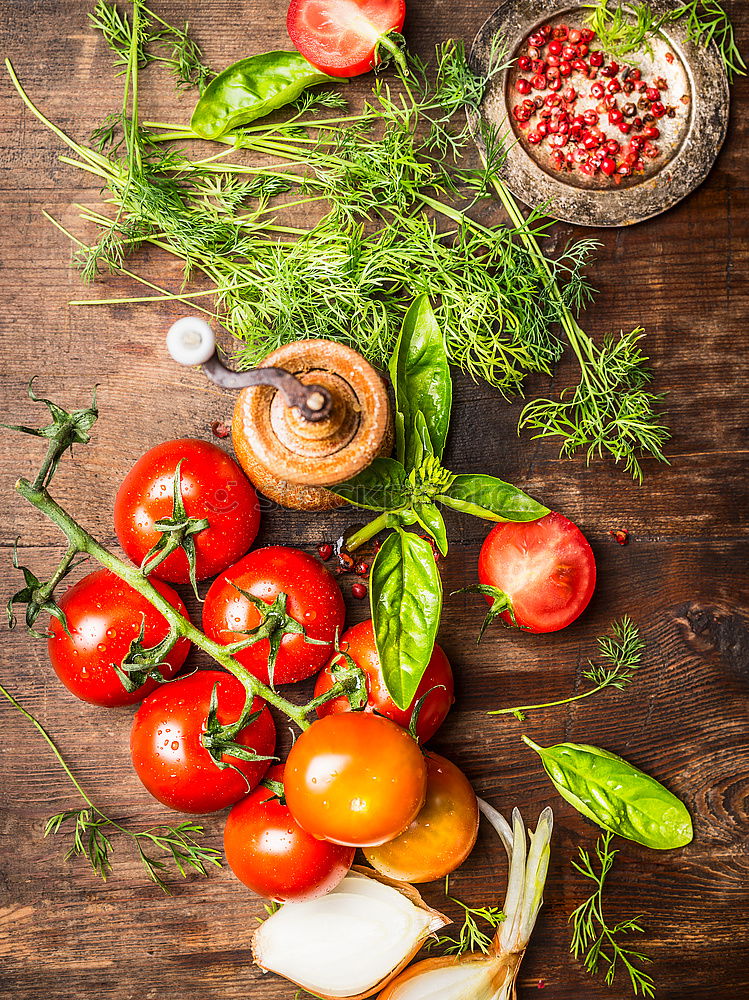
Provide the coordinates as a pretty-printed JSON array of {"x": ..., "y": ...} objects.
[
  {"x": 393, "y": 196},
  {"x": 91, "y": 830},
  {"x": 628, "y": 28},
  {"x": 598, "y": 944},
  {"x": 410, "y": 490},
  {"x": 621, "y": 654}
]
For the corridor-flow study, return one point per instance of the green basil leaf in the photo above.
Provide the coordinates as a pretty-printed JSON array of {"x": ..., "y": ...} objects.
[
  {"x": 406, "y": 596},
  {"x": 421, "y": 379},
  {"x": 252, "y": 88},
  {"x": 429, "y": 517},
  {"x": 381, "y": 486},
  {"x": 421, "y": 434},
  {"x": 491, "y": 499},
  {"x": 616, "y": 795}
]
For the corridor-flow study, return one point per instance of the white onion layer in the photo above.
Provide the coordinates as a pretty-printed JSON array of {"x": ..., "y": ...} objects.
[{"x": 344, "y": 943}]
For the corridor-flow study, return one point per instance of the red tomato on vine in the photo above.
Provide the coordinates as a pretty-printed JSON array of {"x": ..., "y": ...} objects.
[
  {"x": 436, "y": 686},
  {"x": 313, "y": 601},
  {"x": 268, "y": 850},
  {"x": 169, "y": 736},
  {"x": 105, "y": 616},
  {"x": 212, "y": 487}
]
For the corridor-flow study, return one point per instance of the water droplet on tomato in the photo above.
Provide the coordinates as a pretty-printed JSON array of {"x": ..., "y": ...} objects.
[
  {"x": 111, "y": 633},
  {"x": 175, "y": 745},
  {"x": 101, "y": 647}
]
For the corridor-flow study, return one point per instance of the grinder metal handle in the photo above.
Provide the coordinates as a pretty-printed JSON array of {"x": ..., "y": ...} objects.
[{"x": 191, "y": 341}]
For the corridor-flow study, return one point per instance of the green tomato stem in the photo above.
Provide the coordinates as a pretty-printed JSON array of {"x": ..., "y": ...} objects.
[{"x": 84, "y": 542}]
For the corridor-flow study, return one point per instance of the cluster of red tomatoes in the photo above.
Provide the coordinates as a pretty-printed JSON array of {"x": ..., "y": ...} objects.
[{"x": 352, "y": 779}]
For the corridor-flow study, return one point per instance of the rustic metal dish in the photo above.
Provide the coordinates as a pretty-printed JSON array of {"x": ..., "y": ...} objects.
[{"x": 690, "y": 141}]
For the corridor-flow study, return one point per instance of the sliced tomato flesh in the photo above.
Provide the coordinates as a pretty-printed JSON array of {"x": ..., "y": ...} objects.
[
  {"x": 340, "y": 37},
  {"x": 546, "y": 568}
]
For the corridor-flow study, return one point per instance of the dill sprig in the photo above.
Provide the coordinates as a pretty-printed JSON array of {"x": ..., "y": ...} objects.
[
  {"x": 628, "y": 28},
  {"x": 610, "y": 410},
  {"x": 184, "y": 57},
  {"x": 593, "y": 940},
  {"x": 621, "y": 654},
  {"x": 471, "y": 937},
  {"x": 159, "y": 847}
]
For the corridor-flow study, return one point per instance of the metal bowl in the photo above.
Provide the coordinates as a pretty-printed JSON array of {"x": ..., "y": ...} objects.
[{"x": 690, "y": 140}]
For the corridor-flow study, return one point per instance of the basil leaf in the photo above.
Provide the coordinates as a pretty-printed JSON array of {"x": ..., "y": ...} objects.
[
  {"x": 429, "y": 517},
  {"x": 420, "y": 434},
  {"x": 381, "y": 486},
  {"x": 406, "y": 598},
  {"x": 616, "y": 795},
  {"x": 421, "y": 379},
  {"x": 491, "y": 499},
  {"x": 251, "y": 89}
]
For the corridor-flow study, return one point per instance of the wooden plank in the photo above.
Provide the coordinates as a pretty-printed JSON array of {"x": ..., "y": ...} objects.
[{"x": 684, "y": 576}]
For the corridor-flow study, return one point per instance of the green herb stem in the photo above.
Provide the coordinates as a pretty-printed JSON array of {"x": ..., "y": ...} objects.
[{"x": 365, "y": 534}]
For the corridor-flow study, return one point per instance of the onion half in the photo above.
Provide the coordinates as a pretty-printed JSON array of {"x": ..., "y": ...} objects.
[
  {"x": 351, "y": 943},
  {"x": 490, "y": 977}
]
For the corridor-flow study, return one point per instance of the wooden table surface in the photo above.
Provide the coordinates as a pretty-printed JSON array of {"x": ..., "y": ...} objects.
[{"x": 684, "y": 577}]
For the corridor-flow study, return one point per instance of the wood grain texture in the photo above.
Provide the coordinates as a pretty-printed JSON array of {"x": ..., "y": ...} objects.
[{"x": 684, "y": 576}]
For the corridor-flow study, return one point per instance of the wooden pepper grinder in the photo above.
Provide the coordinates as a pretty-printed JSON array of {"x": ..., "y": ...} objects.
[{"x": 312, "y": 414}]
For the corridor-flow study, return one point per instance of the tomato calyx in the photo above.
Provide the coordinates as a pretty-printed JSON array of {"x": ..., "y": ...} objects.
[
  {"x": 501, "y": 604},
  {"x": 143, "y": 662},
  {"x": 391, "y": 49},
  {"x": 220, "y": 739},
  {"x": 348, "y": 680},
  {"x": 176, "y": 533},
  {"x": 38, "y": 596},
  {"x": 275, "y": 623},
  {"x": 276, "y": 788},
  {"x": 67, "y": 428}
]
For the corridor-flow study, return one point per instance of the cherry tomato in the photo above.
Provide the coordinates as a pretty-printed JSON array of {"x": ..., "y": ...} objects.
[
  {"x": 442, "y": 835},
  {"x": 169, "y": 757},
  {"x": 104, "y": 615},
  {"x": 314, "y": 600},
  {"x": 359, "y": 643},
  {"x": 340, "y": 37},
  {"x": 545, "y": 567},
  {"x": 268, "y": 850},
  {"x": 213, "y": 487},
  {"x": 355, "y": 779}
]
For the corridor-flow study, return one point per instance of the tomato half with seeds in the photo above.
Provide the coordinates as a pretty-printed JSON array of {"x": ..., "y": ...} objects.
[
  {"x": 212, "y": 486},
  {"x": 359, "y": 643},
  {"x": 313, "y": 599},
  {"x": 443, "y": 834},
  {"x": 545, "y": 569},
  {"x": 341, "y": 37},
  {"x": 104, "y": 615},
  {"x": 355, "y": 779},
  {"x": 167, "y": 749},
  {"x": 268, "y": 850}
]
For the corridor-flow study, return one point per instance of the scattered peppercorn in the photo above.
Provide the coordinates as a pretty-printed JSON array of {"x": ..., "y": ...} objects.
[
  {"x": 620, "y": 535},
  {"x": 325, "y": 551},
  {"x": 359, "y": 591},
  {"x": 219, "y": 429}
]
